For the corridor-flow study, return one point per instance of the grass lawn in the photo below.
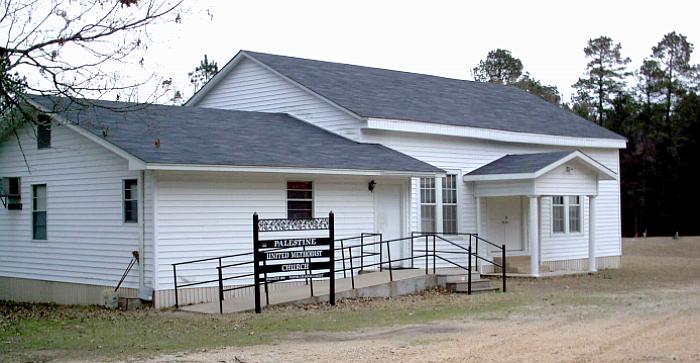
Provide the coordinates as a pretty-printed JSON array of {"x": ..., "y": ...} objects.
[
  {"x": 42, "y": 332},
  {"x": 38, "y": 332}
]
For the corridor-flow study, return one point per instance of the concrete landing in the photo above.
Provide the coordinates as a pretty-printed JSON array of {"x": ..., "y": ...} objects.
[{"x": 374, "y": 284}]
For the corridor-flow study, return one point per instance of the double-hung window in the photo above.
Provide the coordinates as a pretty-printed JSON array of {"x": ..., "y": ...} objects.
[
  {"x": 431, "y": 203},
  {"x": 131, "y": 201},
  {"x": 300, "y": 200},
  {"x": 39, "y": 212},
  {"x": 449, "y": 204},
  {"x": 574, "y": 214},
  {"x": 566, "y": 214},
  {"x": 427, "y": 204}
]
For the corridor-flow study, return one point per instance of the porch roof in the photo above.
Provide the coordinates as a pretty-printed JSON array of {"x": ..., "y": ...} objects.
[{"x": 532, "y": 166}]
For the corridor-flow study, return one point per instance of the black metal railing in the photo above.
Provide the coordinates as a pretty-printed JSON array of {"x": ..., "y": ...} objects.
[
  {"x": 364, "y": 247},
  {"x": 472, "y": 246}
]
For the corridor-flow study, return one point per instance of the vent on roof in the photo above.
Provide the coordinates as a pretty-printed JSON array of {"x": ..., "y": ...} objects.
[{"x": 10, "y": 193}]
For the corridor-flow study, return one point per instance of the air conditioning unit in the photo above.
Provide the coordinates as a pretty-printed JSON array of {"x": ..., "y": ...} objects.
[{"x": 11, "y": 193}]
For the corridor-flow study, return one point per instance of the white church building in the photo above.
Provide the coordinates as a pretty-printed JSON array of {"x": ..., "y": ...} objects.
[{"x": 388, "y": 152}]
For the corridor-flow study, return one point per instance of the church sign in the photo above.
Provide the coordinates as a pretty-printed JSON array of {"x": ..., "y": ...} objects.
[{"x": 301, "y": 258}]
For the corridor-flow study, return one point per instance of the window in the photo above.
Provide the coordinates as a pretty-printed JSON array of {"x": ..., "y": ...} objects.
[
  {"x": 131, "y": 202},
  {"x": 39, "y": 212},
  {"x": 43, "y": 132},
  {"x": 427, "y": 204},
  {"x": 11, "y": 193},
  {"x": 574, "y": 214},
  {"x": 558, "y": 223},
  {"x": 449, "y": 204},
  {"x": 566, "y": 214},
  {"x": 300, "y": 200}
]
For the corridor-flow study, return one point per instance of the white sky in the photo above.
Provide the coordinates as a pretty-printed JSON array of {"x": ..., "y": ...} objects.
[{"x": 445, "y": 38}]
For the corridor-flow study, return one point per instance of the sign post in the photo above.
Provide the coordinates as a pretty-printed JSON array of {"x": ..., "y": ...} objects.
[{"x": 287, "y": 259}]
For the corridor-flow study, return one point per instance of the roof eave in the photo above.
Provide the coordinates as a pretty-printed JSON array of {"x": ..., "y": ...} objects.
[
  {"x": 288, "y": 170},
  {"x": 422, "y": 127}
]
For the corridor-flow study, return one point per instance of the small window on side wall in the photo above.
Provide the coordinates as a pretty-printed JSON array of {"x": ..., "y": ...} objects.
[
  {"x": 131, "y": 204},
  {"x": 300, "y": 199},
  {"x": 43, "y": 132}
]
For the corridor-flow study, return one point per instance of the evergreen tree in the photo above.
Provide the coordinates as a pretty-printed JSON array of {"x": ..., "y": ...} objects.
[
  {"x": 499, "y": 67},
  {"x": 604, "y": 77},
  {"x": 549, "y": 93},
  {"x": 203, "y": 73},
  {"x": 674, "y": 73}
]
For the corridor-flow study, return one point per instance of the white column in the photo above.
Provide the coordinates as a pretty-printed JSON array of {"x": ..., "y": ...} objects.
[
  {"x": 533, "y": 236},
  {"x": 591, "y": 234},
  {"x": 438, "y": 204},
  {"x": 478, "y": 230}
]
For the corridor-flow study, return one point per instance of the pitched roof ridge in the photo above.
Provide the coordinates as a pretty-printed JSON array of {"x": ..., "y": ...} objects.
[{"x": 487, "y": 84}]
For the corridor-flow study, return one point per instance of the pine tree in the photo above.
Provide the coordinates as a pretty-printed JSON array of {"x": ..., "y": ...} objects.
[
  {"x": 499, "y": 67},
  {"x": 604, "y": 77},
  {"x": 675, "y": 73},
  {"x": 203, "y": 73}
]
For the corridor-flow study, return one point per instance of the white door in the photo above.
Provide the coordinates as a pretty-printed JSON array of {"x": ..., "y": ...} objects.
[
  {"x": 387, "y": 200},
  {"x": 504, "y": 218}
]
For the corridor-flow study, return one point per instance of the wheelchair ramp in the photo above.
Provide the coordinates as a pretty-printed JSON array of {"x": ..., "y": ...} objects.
[{"x": 372, "y": 284}]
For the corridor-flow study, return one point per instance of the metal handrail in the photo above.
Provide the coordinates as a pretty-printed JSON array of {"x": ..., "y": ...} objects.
[{"x": 388, "y": 261}]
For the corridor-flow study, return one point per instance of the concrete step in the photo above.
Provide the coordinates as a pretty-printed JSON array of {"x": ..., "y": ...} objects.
[
  {"x": 479, "y": 285},
  {"x": 459, "y": 278}
]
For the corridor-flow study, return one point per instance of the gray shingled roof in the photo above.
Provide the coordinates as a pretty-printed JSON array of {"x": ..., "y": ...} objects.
[
  {"x": 520, "y": 163},
  {"x": 193, "y": 135},
  {"x": 380, "y": 93}
]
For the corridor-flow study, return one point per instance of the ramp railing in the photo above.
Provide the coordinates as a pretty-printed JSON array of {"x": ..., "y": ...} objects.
[{"x": 353, "y": 254}]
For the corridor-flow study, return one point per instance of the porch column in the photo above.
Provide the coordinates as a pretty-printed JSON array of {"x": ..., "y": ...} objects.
[
  {"x": 591, "y": 234},
  {"x": 478, "y": 229},
  {"x": 533, "y": 236}
]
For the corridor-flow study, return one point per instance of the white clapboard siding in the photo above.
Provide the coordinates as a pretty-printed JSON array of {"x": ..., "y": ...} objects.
[
  {"x": 87, "y": 241},
  {"x": 579, "y": 179},
  {"x": 203, "y": 215},
  {"x": 251, "y": 87},
  {"x": 465, "y": 155}
]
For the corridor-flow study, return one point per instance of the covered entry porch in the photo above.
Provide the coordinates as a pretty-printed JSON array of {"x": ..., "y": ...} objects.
[{"x": 542, "y": 207}]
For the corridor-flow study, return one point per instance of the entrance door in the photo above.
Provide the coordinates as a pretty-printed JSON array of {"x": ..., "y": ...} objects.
[
  {"x": 504, "y": 216},
  {"x": 387, "y": 200}
]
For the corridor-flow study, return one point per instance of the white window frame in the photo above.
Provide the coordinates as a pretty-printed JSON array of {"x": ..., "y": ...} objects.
[
  {"x": 455, "y": 204},
  {"x": 287, "y": 199},
  {"x": 567, "y": 205},
  {"x": 434, "y": 204},
  {"x": 439, "y": 204},
  {"x": 46, "y": 211},
  {"x": 134, "y": 197}
]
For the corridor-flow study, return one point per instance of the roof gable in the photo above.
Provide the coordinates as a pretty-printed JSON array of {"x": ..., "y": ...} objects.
[{"x": 531, "y": 166}]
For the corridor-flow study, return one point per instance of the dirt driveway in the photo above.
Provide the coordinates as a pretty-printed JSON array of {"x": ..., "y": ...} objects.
[{"x": 647, "y": 311}]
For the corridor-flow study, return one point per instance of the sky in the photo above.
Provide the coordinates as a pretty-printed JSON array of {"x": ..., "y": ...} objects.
[{"x": 444, "y": 38}]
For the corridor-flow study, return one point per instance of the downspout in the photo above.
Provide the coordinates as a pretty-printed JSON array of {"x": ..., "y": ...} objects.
[{"x": 141, "y": 227}]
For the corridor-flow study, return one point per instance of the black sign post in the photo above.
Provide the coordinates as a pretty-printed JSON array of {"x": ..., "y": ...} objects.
[{"x": 277, "y": 259}]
